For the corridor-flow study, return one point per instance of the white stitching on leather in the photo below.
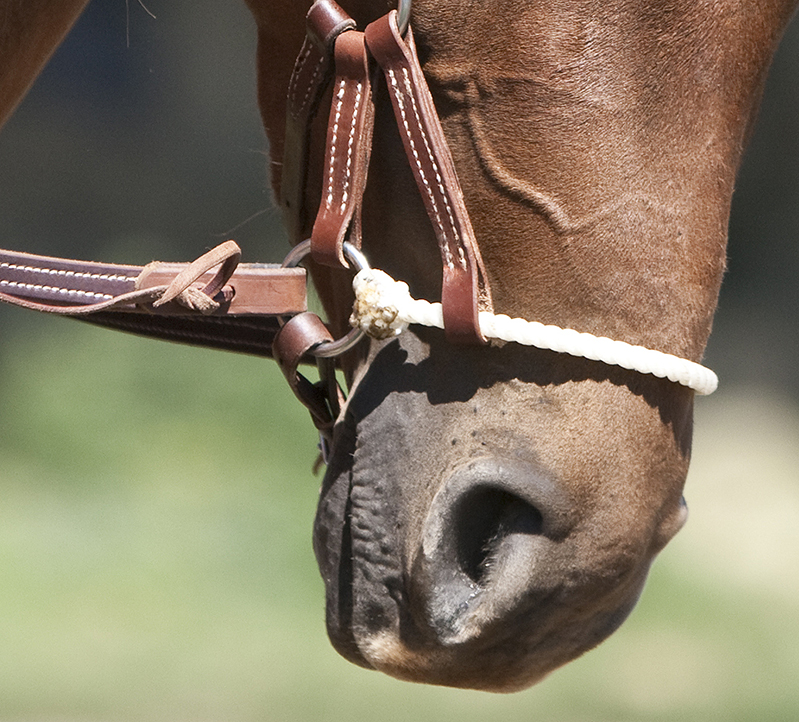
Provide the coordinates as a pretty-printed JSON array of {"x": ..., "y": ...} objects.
[
  {"x": 70, "y": 292},
  {"x": 350, "y": 145},
  {"x": 401, "y": 105},
  {"x": 332, "y": 167},
  {"x": 65, "y": 273},
  {"x": 305, "y": 53},
  {"x": 439, "y": 180}
]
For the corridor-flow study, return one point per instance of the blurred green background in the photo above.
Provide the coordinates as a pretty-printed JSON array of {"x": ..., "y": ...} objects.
[{"x": 156, "y": 501}]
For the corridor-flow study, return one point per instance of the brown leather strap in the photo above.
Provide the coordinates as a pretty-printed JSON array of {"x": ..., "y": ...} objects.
[
  {"x": 349, "y": 141},
  {"x": 239, "y": 306},
  {"x": 309, "y": 80},
  {"x": 298, "y": 337},
  {"x": 258, "y": 289},
  {"x": 464, "y": 280},
  {"x": 68, "y": 287},
  {"x": 252, "y": 335}
]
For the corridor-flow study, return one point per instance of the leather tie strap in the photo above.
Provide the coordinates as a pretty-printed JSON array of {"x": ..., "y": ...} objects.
[
  {"x": 226, "y": 256},
  {"x": 464, "y": 281}
]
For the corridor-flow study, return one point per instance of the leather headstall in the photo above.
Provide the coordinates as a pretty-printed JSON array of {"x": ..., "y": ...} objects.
[
  {"x": 338, "y": 54},
  {"x": 260, "y": 308}
]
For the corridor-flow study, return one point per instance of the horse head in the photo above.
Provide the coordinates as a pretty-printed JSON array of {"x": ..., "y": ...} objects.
[{"x": 491, "y": 512}]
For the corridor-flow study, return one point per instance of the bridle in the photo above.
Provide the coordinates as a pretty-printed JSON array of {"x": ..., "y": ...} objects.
[
  {"x": 336, "y": 54},
  {"x": 261, "y": 309}
]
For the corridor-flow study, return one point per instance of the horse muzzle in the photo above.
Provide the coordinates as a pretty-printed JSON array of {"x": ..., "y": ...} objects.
[{"x": 477, "y": 533}]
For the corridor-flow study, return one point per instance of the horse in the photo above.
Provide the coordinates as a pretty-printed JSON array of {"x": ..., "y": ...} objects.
[{"x": 490, "y": 511}]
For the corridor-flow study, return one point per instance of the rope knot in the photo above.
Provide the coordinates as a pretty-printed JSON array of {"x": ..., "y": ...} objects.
[
  {"x": 378, "y": 300},
  {"x": 195, "y": 300}
]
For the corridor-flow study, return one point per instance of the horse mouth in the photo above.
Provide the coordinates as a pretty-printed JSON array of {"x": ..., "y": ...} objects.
[{"x": 473, "y": 563}]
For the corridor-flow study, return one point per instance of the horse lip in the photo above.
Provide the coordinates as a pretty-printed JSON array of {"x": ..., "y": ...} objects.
[{"x": 527, "y": 514}]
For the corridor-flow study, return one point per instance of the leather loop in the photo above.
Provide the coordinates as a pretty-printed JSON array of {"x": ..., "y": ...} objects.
[
  {"x": 464, "y": 279},
  {"x": 298, "y": 337},
  {"x": 349, "y": 141},
  {"x": 459, "y": 306},
  {"x": 225, "y": 255},
  {"x": 324, "y": 22}
]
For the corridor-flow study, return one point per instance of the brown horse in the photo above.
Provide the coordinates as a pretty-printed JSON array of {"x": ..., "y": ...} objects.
[{"x": 490, "y": 513}]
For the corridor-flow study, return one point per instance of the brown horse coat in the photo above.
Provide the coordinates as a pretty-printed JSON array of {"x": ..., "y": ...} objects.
[{"x": 490, "y": 513}]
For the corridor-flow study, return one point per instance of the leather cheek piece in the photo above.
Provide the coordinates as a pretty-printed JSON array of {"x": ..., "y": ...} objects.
[
  {"x": 433, "y": 168},
  {"x": 347, "y": 151}
]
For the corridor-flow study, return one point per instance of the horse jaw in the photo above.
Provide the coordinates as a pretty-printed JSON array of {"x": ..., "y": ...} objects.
[{"x": 458, "y": 551}]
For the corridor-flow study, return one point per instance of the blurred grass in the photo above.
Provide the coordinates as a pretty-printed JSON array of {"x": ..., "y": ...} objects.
[{"x": 156, "y": 504}]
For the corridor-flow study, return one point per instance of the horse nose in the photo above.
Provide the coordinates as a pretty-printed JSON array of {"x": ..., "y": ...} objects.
[{"x": 486, "y": 543}]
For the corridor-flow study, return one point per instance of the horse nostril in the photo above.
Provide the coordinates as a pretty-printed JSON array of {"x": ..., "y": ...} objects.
[
  {"x": 490, "y": 531},
  {"x": 484, "y": 521}
]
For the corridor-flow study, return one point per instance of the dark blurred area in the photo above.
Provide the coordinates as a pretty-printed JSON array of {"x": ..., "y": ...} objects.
[
  {"x": 142, "y": 140},
  {"x": 756, "y": 334}
]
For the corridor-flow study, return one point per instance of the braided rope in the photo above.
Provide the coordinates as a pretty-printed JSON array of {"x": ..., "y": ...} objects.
[{"x": 384, "y": 308}]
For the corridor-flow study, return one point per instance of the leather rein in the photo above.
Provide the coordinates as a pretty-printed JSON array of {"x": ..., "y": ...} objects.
[{"x": 261, "y": 309}]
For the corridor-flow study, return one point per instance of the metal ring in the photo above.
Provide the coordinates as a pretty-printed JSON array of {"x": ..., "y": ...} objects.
[
  {"x": 358, "y": 261},
  {"x": 403, "y": 15}
]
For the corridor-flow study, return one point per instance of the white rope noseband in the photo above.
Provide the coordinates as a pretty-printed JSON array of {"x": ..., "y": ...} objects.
[{"x": 384, "y": 308}]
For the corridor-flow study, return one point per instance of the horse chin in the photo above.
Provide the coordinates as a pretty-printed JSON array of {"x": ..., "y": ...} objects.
[{"x": 466, "y": 550}]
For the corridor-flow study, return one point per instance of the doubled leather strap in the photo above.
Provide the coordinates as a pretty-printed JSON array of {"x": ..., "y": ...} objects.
[
  {"x": 309, "y": 81},
  {"x": 348, "y": 147},
  {"x": 295, "y": 341},
  {"x": 234, "y": 308},
  {"x": 465, "y": 285},
  {"x": 252, "y": 335}
]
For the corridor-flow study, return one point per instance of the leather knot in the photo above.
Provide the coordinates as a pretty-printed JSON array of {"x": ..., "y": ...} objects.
[{"x": 226, "y": 255}]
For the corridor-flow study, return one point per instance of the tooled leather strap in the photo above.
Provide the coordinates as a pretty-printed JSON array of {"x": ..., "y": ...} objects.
[
  {"x": 309, "y": 80},
  {"x": 348, "y": 147},
  {"x": 465, "y": 284},
  {"x": 234, "y": 308}
]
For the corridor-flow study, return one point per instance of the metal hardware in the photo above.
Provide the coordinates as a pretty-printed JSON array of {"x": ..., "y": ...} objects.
[
  {"x": 358, "y": 261},
  {"x": 403, "y": 15}
]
